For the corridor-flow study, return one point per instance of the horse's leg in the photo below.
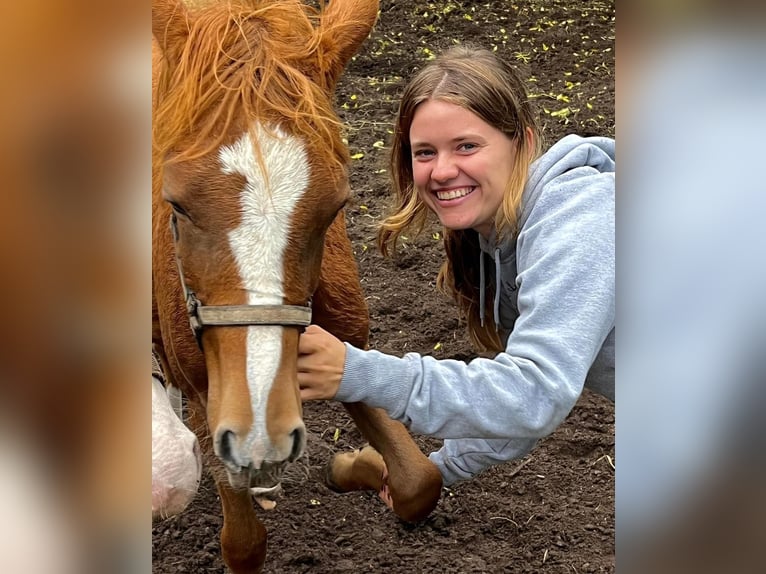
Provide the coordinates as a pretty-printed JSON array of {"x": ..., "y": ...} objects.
[
  {"x": 243, "y": 536},
  {"x": 414, "y": 482}
]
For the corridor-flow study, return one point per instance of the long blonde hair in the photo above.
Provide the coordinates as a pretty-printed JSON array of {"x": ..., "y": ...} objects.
[{"x": 477, "y": 80}]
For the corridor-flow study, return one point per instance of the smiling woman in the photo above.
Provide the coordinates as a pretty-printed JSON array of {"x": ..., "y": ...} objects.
[
  {"x": 461, "y": 164},
  {"x": 529, "y": 241}
]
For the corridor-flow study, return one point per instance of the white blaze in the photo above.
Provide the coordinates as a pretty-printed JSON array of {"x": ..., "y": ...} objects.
[{"x": 258, "y": 245}]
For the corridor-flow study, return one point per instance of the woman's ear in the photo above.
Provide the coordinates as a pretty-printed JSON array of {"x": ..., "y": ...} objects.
[{"x": 529, "y": 135}]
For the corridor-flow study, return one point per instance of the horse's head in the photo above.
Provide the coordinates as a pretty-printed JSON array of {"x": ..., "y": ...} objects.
[{"x": 248, "y": 156}]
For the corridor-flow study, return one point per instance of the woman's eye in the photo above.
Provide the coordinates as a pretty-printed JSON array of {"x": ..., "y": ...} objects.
[
  {"x": 468, "y": 147},
  {"x": 421, "y": 153}
]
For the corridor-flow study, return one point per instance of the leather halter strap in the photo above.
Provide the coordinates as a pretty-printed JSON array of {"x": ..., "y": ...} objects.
[{"x": 201, "y": 316}]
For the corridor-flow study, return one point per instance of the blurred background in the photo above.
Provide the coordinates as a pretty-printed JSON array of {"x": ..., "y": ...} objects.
[
  {"x": 75, "y": 115},
  {"x": 691, "y": 376},
  {"x": 75, "y": 283}
]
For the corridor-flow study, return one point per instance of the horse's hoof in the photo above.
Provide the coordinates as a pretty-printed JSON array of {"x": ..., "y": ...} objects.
[
  {"x": 331, "y": 469},
  {"x": 346, "y": 471},
  {"x": 328, "y": 481}
]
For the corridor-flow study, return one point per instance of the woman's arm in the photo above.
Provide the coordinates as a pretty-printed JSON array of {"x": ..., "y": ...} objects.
[{"x": 565, "y": 260}]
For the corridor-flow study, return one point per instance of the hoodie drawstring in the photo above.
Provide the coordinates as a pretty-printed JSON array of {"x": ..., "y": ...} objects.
[
  {"x": 497, "y": 290},
  {"x": 483, "y": 286}
]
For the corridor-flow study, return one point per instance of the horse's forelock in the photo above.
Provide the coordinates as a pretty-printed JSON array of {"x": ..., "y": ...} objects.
[{"x": 201, "y": 98}]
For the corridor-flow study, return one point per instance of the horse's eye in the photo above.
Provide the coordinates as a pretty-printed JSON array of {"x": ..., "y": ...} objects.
[{"x": 177, "y": 208}]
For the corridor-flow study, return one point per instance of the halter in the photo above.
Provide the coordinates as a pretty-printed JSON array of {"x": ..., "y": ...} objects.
[{"x": 201, "y": 316}]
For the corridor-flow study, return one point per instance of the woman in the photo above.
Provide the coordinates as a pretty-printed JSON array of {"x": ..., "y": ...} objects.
[{"x": 529, "y": 240}]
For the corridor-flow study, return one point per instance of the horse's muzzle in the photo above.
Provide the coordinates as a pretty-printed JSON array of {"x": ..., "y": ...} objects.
[
  {"x": 267, "y": 477},
  {"x": 226, "y": 447}
]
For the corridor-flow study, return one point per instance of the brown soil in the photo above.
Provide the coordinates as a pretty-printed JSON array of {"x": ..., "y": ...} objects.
[{"x": 552, "y": 512}]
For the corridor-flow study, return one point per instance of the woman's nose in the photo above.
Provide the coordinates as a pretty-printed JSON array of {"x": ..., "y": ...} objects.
[{"x": 444, "y": 169}]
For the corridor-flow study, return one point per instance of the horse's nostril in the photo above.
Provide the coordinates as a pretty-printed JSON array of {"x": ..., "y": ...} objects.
[
  {"x": 299, "y": 442},
  {"x": 226, "y": 445}
]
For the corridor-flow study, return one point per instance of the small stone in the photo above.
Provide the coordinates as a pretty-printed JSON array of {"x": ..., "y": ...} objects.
[
  {"x": 377, "y": 534},
  {"x": 345, "y": 565}
]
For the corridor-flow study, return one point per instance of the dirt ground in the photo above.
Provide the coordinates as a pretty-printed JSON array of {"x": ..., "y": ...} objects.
[{"x": 552, "y": 512}]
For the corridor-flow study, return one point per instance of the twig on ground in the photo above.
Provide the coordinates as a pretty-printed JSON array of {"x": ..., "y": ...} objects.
[
  {"x": 608, "y": 459},
  {"x": 516, "y": 524},
  {"x": 516, "y": 470}
]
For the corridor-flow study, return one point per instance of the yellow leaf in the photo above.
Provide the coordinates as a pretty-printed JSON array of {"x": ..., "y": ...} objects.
[
  {"x": 336, "y": 435},
  {"x": 437, "y": 346},
  {"x": 378, "y": 144},
  {"x": 437, "y": 236},
  {"x": 522, "y": 56},
  {"x": 363, "y": 207},
  {"x": 359, "y": 155},
  {"x": 314, "y": 502},
  {"x": 352, "y": 97}
]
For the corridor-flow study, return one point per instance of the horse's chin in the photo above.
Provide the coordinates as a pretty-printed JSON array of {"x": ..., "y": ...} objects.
[
  {"x": 272, "y": 493},
  {"x": 267, "y": 478}
]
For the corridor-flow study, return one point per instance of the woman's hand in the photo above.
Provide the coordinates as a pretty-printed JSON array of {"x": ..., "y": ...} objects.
[{"x": 321, "y": 358}]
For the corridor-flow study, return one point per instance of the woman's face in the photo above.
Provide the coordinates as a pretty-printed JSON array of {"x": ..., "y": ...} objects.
[{"x": 460, "y": 164}]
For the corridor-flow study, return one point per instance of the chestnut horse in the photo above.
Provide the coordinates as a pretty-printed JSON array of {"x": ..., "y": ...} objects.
[{"x": 249, "y": 245}]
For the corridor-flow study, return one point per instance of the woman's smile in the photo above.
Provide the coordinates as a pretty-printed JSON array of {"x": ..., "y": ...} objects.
[{"x": 450, "y": 195}]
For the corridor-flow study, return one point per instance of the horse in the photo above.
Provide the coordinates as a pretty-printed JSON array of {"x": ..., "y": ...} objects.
[
  {"x": 249, "y": 245},
  {"x": 176, "y": 460}
]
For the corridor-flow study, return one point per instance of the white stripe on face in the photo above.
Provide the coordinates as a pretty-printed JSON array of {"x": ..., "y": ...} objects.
[{"x": 258, "y": 245}]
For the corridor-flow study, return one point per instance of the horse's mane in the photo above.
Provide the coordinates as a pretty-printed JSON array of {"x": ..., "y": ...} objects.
[{"x": 244, "y": 59}]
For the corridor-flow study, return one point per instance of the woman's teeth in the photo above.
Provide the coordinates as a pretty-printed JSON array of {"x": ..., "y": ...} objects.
[{"x": 454, "y": 193}]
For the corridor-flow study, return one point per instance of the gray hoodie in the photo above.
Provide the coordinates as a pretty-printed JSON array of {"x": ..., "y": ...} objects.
[{"x": 556, "y": 302}]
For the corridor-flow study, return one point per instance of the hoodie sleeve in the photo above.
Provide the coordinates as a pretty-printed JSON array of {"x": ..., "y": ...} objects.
[{"x": 565, "y": 264}]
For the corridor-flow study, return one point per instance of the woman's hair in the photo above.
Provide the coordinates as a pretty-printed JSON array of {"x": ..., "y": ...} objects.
[{"x": 480, "y": 82}]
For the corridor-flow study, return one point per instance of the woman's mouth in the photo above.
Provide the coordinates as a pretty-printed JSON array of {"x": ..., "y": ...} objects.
[{"x": 448, "y": 194}]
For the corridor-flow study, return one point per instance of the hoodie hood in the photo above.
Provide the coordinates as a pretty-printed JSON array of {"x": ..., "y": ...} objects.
[{"x": 570, "y": 158}]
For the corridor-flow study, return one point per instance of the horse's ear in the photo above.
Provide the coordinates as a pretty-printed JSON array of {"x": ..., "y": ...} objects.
[
  {"x": 345, "y": 24},
  {"x": 170, "y": 26}
]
